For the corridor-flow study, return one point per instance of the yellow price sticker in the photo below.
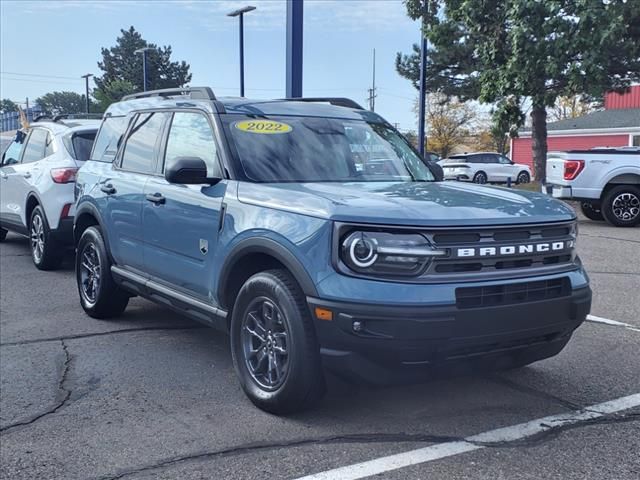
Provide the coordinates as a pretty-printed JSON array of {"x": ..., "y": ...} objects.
[{"x": 267, "y": 127}]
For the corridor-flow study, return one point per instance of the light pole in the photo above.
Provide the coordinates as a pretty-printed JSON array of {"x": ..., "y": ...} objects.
[
  {"x": 240, "y": 13},
  {"x": 86, "y": 88},
  {"x": 144, "y": 51},
  {"x": 423, "y": 81}
]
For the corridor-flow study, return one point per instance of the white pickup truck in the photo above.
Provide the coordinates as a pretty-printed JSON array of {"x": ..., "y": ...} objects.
[{"x": 606, "y": 182}]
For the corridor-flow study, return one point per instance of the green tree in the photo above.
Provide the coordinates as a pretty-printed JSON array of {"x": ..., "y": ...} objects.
[
  {"x": 7, "y": 105},
  {"x": 112, "y": 92},
  {"x": 493, "y": 50},
  {"x": 62, "y": 102},
  {"x": 121, "y": 63}
]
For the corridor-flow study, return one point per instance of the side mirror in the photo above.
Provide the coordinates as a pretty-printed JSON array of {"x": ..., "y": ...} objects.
[
  {"x": 437, "y": 171},
  {"x": 188, "y": 171}
]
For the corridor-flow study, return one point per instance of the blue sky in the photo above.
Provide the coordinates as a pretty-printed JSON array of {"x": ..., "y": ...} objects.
[{"x": 47, "y": 45}]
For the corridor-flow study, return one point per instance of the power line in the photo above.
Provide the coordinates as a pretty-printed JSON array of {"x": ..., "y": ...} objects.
[{"x": 37, "y": 75}]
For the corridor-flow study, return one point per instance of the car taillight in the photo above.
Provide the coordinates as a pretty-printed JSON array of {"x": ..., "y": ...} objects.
[
  {"x": 572, "y": 168},
  {"x": 64, "y": 175}
]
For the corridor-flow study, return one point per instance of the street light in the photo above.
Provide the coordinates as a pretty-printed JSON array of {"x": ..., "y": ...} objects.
[
  {"x": 86, "y": 88},
  {"x": 144, "y": 51},
  {"x": 240, "y": 13}
]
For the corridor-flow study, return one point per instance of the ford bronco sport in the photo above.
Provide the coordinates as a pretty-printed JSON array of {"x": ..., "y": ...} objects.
[{"x": 313, "y": 233}]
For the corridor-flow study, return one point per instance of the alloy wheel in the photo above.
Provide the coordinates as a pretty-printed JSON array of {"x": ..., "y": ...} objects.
[
  {"x": 480, "y": 178},
  {"x": 37, "y": 238},
  {"x": 626, "y": 206},
  {"x": 265, "y": 345},
  {"x": 90, "y": 272}
]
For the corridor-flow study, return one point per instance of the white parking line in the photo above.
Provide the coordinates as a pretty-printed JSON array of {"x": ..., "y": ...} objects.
[
  {"x": 475, "y": 442},
  {"x": 615, "y": 323}
]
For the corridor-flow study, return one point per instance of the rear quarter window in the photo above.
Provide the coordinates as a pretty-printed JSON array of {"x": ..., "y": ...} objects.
[{"x": 107, "y": 141}]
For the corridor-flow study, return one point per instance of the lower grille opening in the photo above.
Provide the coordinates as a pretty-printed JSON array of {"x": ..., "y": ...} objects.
[{"x": 490, "y": 296}]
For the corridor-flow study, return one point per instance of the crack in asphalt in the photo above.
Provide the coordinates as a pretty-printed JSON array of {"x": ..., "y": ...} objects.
[
  {"x": 609, "y": 238},
  {"x": 635, "y": 274},
  {"x": 62, "y": 395},
  {"x": 97, "y": 334},
  {"x": 369, "y": 438},
  {"x": 535, "y": 392}
]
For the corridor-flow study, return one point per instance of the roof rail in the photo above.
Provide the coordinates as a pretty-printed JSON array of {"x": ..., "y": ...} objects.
[
  {"x": 337, "y": 101},
  {"x": 201, "y": 93}
]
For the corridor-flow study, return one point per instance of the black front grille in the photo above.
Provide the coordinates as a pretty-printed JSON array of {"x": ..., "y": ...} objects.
[
  {"x": 511, "y": 294},
  {"x": 496, "y": 237}
]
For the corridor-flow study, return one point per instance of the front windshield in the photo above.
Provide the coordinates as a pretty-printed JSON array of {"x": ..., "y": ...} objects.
[{"x": 312, "y": 149}]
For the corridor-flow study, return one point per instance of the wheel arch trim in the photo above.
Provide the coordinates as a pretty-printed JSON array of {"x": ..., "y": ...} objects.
[{"x": 272, "y": 248}]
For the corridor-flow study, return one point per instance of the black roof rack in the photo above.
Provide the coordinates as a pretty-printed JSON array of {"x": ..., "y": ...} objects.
[
  {"x": 337, "y": 101},
  {"x": 201, "y": 93}
]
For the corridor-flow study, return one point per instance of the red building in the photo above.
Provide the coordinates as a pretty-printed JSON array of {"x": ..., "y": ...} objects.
[{"x": 615, "y": 126}]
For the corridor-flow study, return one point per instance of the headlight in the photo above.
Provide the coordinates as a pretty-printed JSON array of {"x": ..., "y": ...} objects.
[{"x": 385, "y": 253}]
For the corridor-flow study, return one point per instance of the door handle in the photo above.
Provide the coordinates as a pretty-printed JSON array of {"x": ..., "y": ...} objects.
[
  {"x": 26, "y": 174},
  {"x": 108, "y": 189},
  {"x": 156, "y": 198},
  {"x": 4, "y": 176}
]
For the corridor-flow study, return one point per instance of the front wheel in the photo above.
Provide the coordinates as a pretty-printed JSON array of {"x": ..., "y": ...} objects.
[
  {"x": 523, "y": 177},
  {"x": 45, "y": 251},
  {"x": 621, "y": 206},
  {"x": 273, "y": 344},
  {"x": 100, "y": 297}
]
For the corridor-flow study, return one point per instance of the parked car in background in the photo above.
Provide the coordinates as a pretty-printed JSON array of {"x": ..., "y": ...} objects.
[
  {"x": 37, "y": 175},
  {"x": 484, "y": 167},
  {"x": 606, "y": 182},
  {"x": 317, "y": 236}
]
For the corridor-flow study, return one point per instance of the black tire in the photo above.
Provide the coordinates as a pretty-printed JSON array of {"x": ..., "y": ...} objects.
[
  {"x": 100, "y": 297},
  {"x": 523, "y": 177},
  {"x": 45, "y": 251},
  {"x": 301, "y": 381},
  {"x": 621, "y": 206},
  {"x": 592, "y": 211},
  {"x": 3, "y": 234},
  {"x": 480, "y": 178}
]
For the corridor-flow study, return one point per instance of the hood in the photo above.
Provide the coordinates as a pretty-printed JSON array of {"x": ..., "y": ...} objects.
[{"x": 408, "y": 203}]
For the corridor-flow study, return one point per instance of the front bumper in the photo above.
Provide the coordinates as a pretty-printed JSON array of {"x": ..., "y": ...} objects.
[{"x": 400, "y": 344}]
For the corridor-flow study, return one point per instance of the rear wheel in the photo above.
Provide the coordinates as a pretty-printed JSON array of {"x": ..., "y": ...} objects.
[
  {"x": 273, "y": 343},
  {"x": 480, "y": 178},
  {"x": 45, "y": 251},
  {"x": 100, "y": 297},
  {"x": 592, "y": 211},
  {"x": 621, "y": 206}
]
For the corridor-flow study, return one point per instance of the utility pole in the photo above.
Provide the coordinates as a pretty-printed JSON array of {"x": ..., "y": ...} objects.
[
  {"x": 423, "y": 80},
  {"x": 86, "y": 89},
  {"x": 372, "y": 90}
]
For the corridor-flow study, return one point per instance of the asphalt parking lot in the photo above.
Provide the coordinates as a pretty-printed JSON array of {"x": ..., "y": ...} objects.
[{"x": 154, "y": 396}]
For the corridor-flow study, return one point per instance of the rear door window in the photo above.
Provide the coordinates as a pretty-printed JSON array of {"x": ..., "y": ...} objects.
[
  {"x": 36, "y": 145},
  {"x": 140, "y": 150}
]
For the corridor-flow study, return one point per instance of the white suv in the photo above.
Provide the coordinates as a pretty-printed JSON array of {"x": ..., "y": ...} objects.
[
  {"x": 37, "y": 177},
  {"x": 483, "y": 167}
]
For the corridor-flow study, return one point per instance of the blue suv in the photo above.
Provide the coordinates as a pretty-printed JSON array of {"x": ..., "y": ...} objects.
[{"x": 314, "y": 234}]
